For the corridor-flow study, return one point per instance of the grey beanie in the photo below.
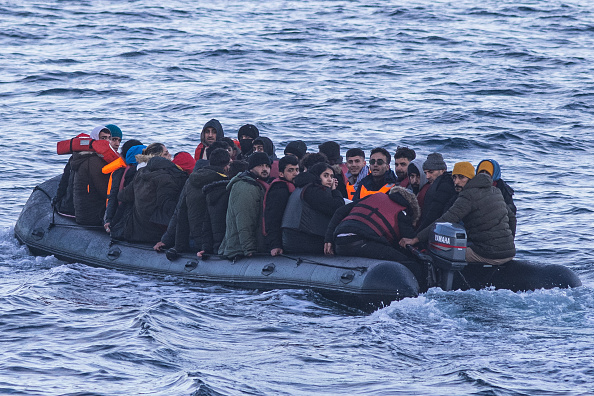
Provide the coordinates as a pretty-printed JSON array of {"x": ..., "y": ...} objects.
[{"x": 434, "y": 162}]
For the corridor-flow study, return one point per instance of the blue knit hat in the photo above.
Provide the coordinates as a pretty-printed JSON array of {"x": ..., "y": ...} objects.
[{"x": 115, "y": 130}]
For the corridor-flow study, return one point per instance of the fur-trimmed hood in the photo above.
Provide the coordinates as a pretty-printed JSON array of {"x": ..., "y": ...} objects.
[{"x": 409, "y": 200}]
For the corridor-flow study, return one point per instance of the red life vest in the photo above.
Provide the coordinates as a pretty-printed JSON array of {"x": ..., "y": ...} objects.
[
  {"x": 199, "y": 151},
  {"x": 365, "y": 192},
  {"x": 421, "y": 194},
  {"x": 379, "y": 213},
  {"x": 83, "y": 142},
  {"x": 291, "y": 188}
]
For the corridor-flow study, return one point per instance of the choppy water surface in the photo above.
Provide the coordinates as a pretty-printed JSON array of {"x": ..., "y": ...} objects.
[{"x": 491, "y": 79}]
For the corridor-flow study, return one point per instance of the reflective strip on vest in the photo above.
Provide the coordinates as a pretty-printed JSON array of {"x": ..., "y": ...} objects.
[
  {"x": 365, "y": 192},
  {"x": 380, "y": 214}
]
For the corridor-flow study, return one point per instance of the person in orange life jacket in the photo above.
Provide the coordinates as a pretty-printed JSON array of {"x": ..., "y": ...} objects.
[
  {"x": 275, "y": 202},
  {"x": 243, "y": 234},
  {"x": 212, "y": 131},
  {"x": 120, "y": 178},
  {"x": 381, "y": 178},
  {"x": 332, "y": 151},
  {"x": 491, "y": 167},
  {"x": 246, "y": 135},
  {"x": 116, "y": 136},
  {"x": 486, "y": 218},
  {"x": 373, "y": 226},
  {"x": 89, "y": 183},
  {"x": 357, "y": 169},
  {"x": 263, "y": 144},
  {"x": 309, "y": 210},
  {"x": 154, "y": 193},
  {"x": 402, "y": 159},
  {"x": 180, "y": 235},
  {"x": 417, "y": 180},
  {"x": 217, "y": 200},
  {"x": 298, "y": 148},
  {"x": 441, "y": 190}
]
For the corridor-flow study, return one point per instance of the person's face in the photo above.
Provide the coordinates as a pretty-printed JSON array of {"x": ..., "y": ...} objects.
[
  {"x": 378, "y": 164},
  {"x": 104, "y": 135},
  {"x": 290, "y": 172},
  {"x": 459, "y": 182},
  {"x": 115, "y": 142},
  {"x": 210, "y": 136},
  {"x": 401, "y": 167},
  {"x": 246, "y": 137},
  {"x": 355, "y": 164},
  {"x": 261, "y": 171},
  {"x": 414, "y": 179},
  {"x": 165, "y": 153},
  {"x": 433, "y": 174},
  {"x": 327, "y": 178},
  {"x": 485, "y": 171},
  {"x": 258, "y": 148}
]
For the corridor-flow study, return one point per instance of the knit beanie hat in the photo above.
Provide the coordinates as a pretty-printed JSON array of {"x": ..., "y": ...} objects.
[
  {"x": 184, "y": 161},
  {"x": 331, "y": 149},
  {"x": 249, "y": 130},
  {"x": 258, "y": 158},
  {"x": 133, "y": 152},
  {"x": 434, "y": 162},
  {"x": 296, "y": 147},
  {"x": 487, "y": 166},
  {"x": 464, "y": 169},
  {"x": 115, "y": 130},
  {"x": 126, "y": 146}
]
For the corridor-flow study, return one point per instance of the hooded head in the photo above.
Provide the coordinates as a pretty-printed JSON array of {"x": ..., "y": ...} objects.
[
  {"x": 126, "y": 146},
  {"x": 184, "y": 161},
  {"x": 246, "y": 135},
  {"x": 208, "y": 138},
  {"x": 267, "y": 145},
  {"x": 332, "y": 151},
  {"x": 491, "y": 167},
  {"x": 405, "y": 198},
  {"x": 133, "y": 152},
  {"x": 418, "y": 179},
  {"x": 99, "y": 130},
  {"x": 297, "y": 148}
]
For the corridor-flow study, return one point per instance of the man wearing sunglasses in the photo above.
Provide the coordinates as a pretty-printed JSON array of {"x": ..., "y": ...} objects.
[{"x": 381, "y": 177}]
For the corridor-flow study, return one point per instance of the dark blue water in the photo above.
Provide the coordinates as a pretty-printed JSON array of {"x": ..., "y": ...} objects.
[{"x": 471, "y": 79}]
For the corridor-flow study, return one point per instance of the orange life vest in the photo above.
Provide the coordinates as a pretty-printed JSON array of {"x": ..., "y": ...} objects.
[
  {"x": 365, "y": 192},
  {"x": 83, "y": 142}
]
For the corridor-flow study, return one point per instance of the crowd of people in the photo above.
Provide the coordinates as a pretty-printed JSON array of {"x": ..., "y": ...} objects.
[{"x": 236, "y": 198}]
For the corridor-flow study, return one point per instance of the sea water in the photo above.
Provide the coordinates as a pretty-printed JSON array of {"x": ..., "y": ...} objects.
[{"x": 507, "y": 80}]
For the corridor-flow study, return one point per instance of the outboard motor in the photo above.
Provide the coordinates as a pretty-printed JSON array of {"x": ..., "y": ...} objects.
[{"x": 447, "y": 246}]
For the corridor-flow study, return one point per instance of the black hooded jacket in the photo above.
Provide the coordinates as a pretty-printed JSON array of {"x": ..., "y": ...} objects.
[
  {"x": 199, "y": 153},
  {"x": 437, "y": 200},
  {"x": 89, "y": 188},
  {"x": 214, "y": 226},
  {"x": 154, "y": 192}
]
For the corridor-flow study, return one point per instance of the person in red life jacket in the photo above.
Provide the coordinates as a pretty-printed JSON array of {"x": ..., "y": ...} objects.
[
  {"x": 417, "y": 180},
  {"x": 491, "y": 167},
  {"x": 298, "y": 148},
  {"x": 154, "y": 193},
  {"x": 402, "y": 159},
  {"x": 89, "y": 183},
  {"x": 309, "y": 210},
  {"x": 487, "y": 220},
  {"x": 262, "y": 144},
  {"x": 184, "y": 161},
  {"x": 246, "y": 135},
  {"x": 373, "y": 226},
  {"x": 357, "y": 169},
  {"x": 332, "y": 151},
  {"x": 217, "y": 200},
  {"x": 243, "y": 234},
  {"x": 275, "y": 202},
  {"x": 439, "y": 195},
  {"x": 212, "y": 131},
  {"x": 120, "y": 178},
  {"x": 116, "y": 136},
  {"x": 381, "y": 178}
]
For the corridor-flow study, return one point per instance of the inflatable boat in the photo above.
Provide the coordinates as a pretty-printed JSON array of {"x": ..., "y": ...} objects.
[{"x": 354, "y": 281}]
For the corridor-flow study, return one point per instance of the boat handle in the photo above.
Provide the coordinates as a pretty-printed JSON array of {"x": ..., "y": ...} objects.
[
  {"x": 38, "y": 233},
  {"x": 347, "y": 277},
  {"x": 114, "y": 253},
  {"x": 268, "y": 269},
  {"x": 191, "y": 265}
]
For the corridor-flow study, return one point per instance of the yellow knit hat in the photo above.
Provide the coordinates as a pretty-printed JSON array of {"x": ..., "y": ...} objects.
[
  {"x": 464, "y": 169},
  {"x": 486, "y": 166}
]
